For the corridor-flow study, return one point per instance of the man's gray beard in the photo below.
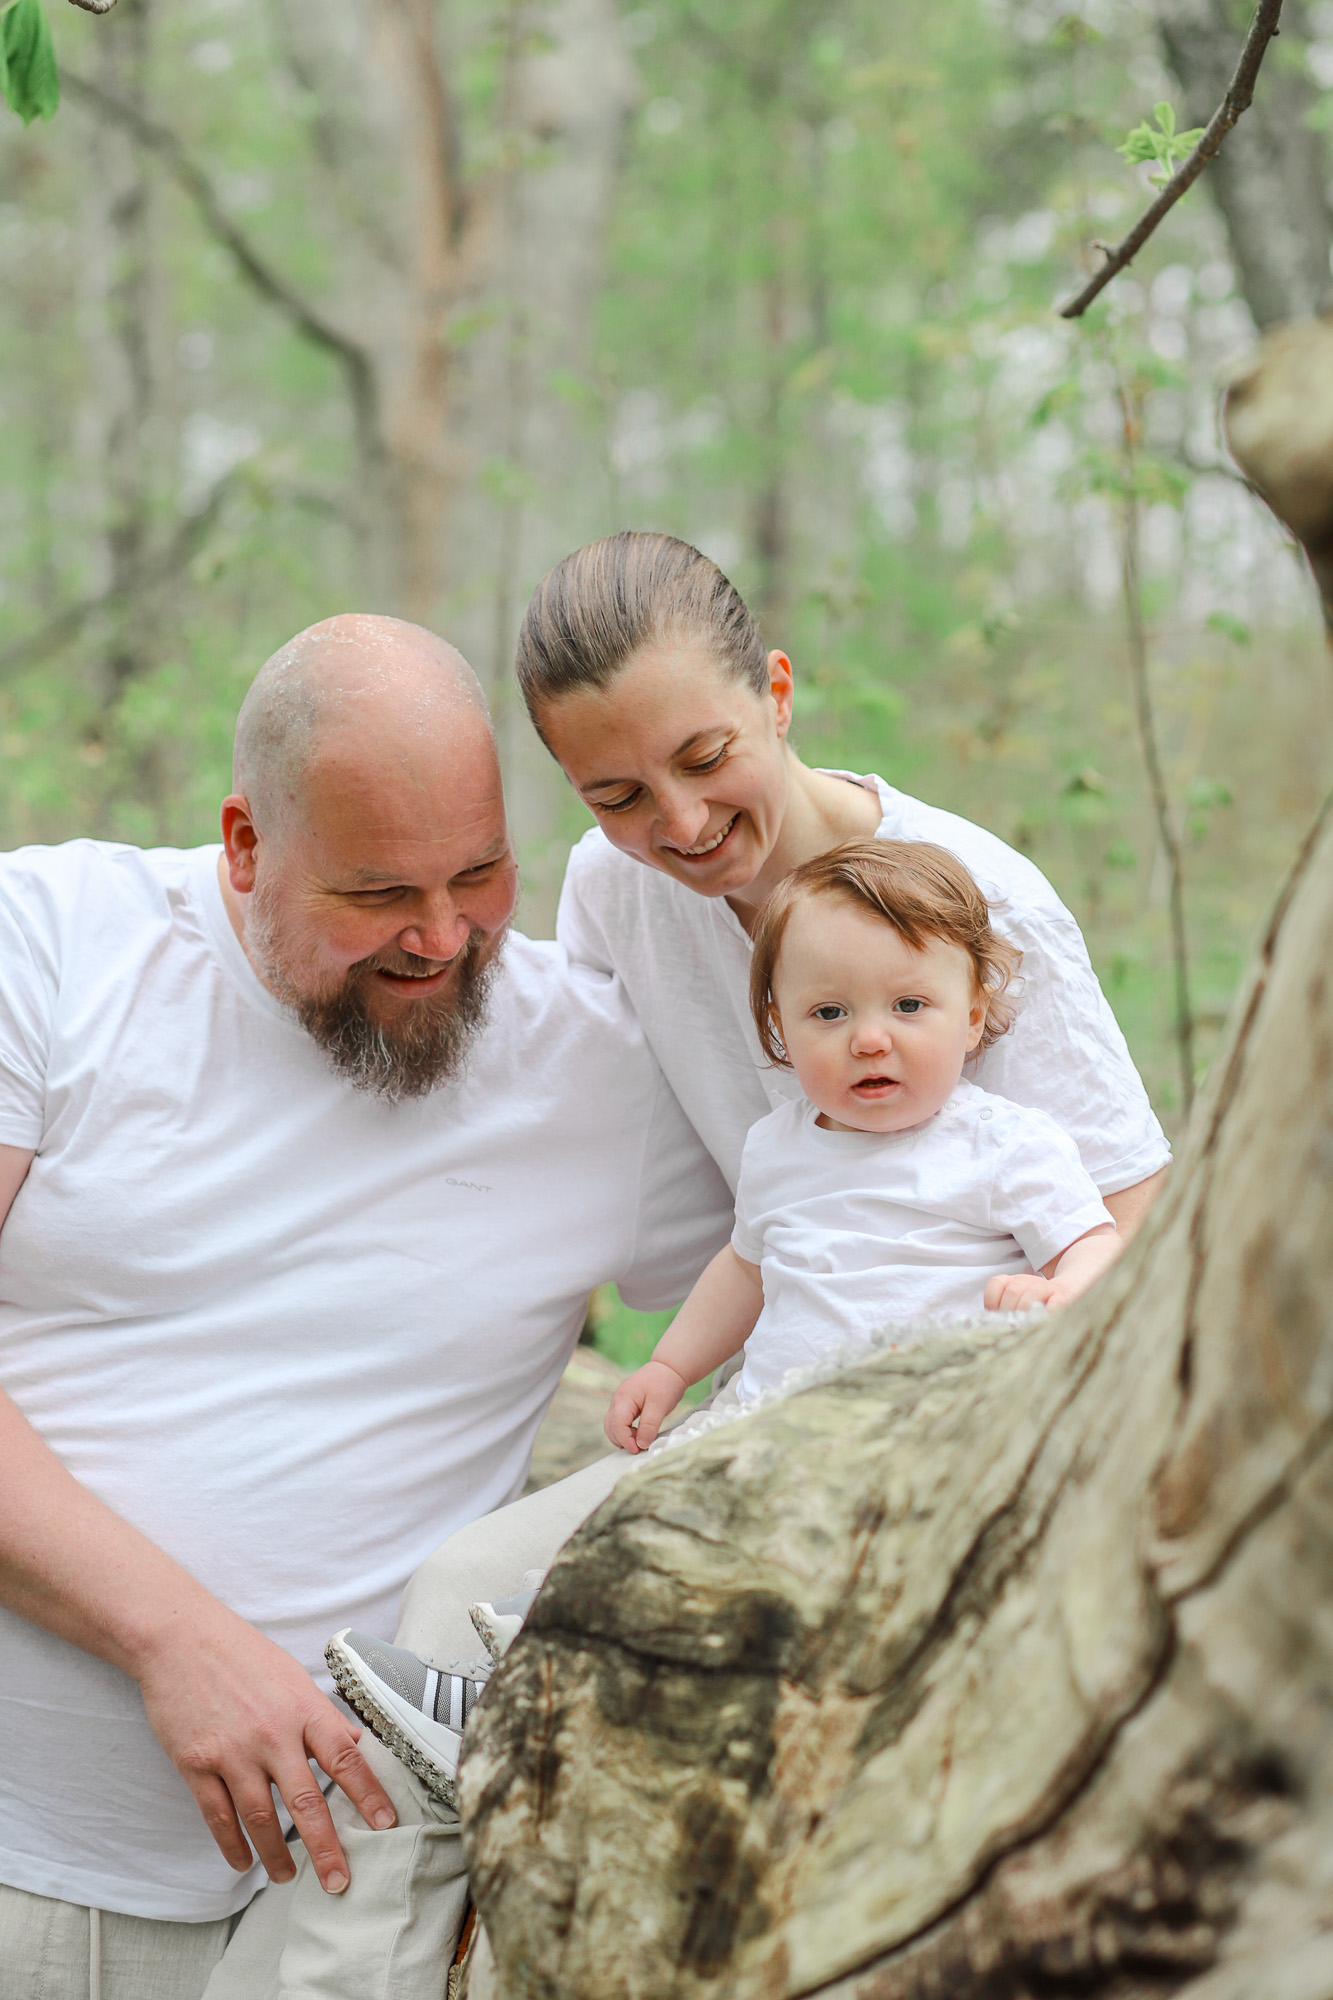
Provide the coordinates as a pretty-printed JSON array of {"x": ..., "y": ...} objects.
[{"x": 426, "y": 1049}]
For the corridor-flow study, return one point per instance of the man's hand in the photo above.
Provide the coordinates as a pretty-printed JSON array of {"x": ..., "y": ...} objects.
[
  {"x": 649, "y": 1395},
  {"x": 238, "y": 1717}
]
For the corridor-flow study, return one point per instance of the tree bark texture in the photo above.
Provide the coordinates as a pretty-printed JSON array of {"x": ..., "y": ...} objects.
[
  {"x": 998, "y": 1667},
  {"x": 1270, "y": 179}
]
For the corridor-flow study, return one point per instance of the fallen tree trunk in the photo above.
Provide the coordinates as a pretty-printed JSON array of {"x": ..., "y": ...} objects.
[{"x": 1002, "y": 1667}]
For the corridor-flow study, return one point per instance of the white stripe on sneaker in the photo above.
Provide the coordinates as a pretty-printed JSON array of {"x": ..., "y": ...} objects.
[
  {"x": 432, "y": 1694},
  {"x": 455, "y": 1702}
]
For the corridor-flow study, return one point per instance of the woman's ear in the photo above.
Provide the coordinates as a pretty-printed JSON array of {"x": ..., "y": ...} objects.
[{"x": 781, "y": 683}]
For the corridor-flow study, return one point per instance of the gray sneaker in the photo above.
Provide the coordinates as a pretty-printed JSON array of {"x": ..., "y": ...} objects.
[{"x": 417, "y": 1710}]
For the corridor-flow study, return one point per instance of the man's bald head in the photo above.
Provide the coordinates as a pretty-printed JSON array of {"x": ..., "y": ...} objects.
[{"x": 379, "y": 683}]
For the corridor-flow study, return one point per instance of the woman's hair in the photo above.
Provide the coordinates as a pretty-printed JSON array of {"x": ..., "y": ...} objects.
[
  {"x": 606, "y": 602},
  {"x": 922, "y": 891}
]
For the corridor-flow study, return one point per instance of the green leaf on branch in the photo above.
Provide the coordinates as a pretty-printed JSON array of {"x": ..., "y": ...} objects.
[
  {"x": 1161, "y": 143},
  {"x": 29, "y": 80}
]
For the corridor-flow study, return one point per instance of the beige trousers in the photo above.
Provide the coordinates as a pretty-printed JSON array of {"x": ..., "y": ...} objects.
[{"x": 393, "y": 1932}]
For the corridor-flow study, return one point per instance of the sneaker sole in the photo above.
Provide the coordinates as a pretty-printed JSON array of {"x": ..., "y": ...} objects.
[
  {"x": 497, "y": 1630},
  {"x": 389, "y": 1730}
]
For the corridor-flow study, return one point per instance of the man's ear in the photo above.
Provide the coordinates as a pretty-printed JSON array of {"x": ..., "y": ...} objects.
[
  {"x": 781, "y": 683},
  {"x": 240, "y": 838}
]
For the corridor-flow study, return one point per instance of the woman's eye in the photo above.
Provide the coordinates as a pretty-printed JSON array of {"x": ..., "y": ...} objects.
[
  {"x": 612, "y": 805},
  {"x": 697, "y": 770},
  {"x": 829, "y": 1012},
  {"x": 910, "y": 1006}
]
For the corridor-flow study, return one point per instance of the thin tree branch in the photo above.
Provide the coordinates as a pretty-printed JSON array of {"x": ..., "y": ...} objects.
[
  {"x": 1240, "y": 93},
  {"x": 67, "y": 624},
  {"x": 1147, "y": 726},
  {"x": 190, "y": 177}
]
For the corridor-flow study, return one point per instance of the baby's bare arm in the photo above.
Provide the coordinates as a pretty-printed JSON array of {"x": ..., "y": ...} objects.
[
  {"x": 1064, "y": 1279},
  {"x": 712, "y": 1325}
]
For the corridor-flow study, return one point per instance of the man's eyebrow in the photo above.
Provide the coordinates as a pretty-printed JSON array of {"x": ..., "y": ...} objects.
[
  {"x": 378, "y": 878},
  {"x": 681, "y": 750}
]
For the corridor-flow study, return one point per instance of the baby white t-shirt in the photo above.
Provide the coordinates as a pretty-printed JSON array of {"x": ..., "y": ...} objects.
[
  {"x": 295, "y": 1335},
  {"x": 684, "y": 960},
  {"x": 855, "y": 1230}
]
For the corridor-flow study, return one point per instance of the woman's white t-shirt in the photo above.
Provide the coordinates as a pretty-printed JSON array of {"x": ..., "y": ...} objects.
[
  {"x": 855, "y": 1230},
  {"x": 684, "y": 960}
]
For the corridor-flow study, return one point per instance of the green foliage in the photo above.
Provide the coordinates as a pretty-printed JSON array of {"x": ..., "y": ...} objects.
[
  {"x": 29, "y": 81},
  {"x": 824, "y": 349},
  {"x": 1160, "y": 142}
]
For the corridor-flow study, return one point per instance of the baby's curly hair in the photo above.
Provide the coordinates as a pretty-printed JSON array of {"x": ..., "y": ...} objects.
[{"x": 922, "y": 890}]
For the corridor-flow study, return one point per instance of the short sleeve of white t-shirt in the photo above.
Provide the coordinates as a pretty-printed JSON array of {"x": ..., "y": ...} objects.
[
  {"x": 684, "y": 960},
  {"x": 30, "y": 978},
  {"x": 854, "y": 1231}
]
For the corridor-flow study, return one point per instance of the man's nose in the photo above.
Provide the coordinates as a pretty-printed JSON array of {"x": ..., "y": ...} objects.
[
  {"x": 439, "y": 932},
  {"x": 682, "y": 817}
]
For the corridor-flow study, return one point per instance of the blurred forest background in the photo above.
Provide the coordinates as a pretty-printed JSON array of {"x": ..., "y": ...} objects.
[{"x": 309, "y": 305}]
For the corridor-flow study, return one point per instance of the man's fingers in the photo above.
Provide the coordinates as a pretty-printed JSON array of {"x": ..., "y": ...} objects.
[
  {"x": 259, "y": 1817},
  {"x": 330, "y": 1744},
  {"x": 310, "y": 1813},
  {"x": 219, "y": 1814}
]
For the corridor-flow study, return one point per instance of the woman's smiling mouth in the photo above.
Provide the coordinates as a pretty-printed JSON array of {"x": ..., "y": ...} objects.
[{"x": 705, "y": 847}]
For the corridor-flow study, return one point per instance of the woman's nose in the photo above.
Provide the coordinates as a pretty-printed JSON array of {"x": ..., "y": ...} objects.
[{"x": 682, "y": 818}]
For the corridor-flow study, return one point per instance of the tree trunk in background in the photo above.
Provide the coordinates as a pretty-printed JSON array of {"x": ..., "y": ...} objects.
[
  {"x": 470, "y": 303},
  {"x": 125, "y": 418},
  {"x": 997, "y": 1667},
  {"x": 522, "y": 419},
  {"x": 388, "y": 201},
  {"x": 1270, "y": 179}
]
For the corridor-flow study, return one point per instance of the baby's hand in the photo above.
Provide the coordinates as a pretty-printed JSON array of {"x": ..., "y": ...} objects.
[
  {"x": 649, "y": 1394},
  {"x": 1014, "y": 1294}
]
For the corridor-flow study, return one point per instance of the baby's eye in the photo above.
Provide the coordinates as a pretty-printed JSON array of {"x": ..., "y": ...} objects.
[
  {"x": 830, "y": 1011},
  {"x": 909, "y": 1006}
]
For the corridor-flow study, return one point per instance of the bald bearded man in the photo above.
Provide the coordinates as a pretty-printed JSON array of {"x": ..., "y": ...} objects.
[{"x": 306, "y": 1172}]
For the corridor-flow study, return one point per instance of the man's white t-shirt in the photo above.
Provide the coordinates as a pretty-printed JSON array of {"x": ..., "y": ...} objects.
[
  {"x": 684, "y": 960},
  {"x": 855, "y": 1230},
  {"x": 295, "y": 1335}
]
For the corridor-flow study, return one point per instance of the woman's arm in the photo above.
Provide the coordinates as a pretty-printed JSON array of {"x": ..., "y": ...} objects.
[
  {"x": 713, "y": 1324},
  {"x": 1130, "y": 1207}
]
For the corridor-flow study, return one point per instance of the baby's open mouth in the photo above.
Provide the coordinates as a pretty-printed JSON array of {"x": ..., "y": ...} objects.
[{"x": 875, "y": 1086}]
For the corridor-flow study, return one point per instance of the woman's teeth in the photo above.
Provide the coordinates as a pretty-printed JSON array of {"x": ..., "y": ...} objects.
[{"x": 707, "y": 846}]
